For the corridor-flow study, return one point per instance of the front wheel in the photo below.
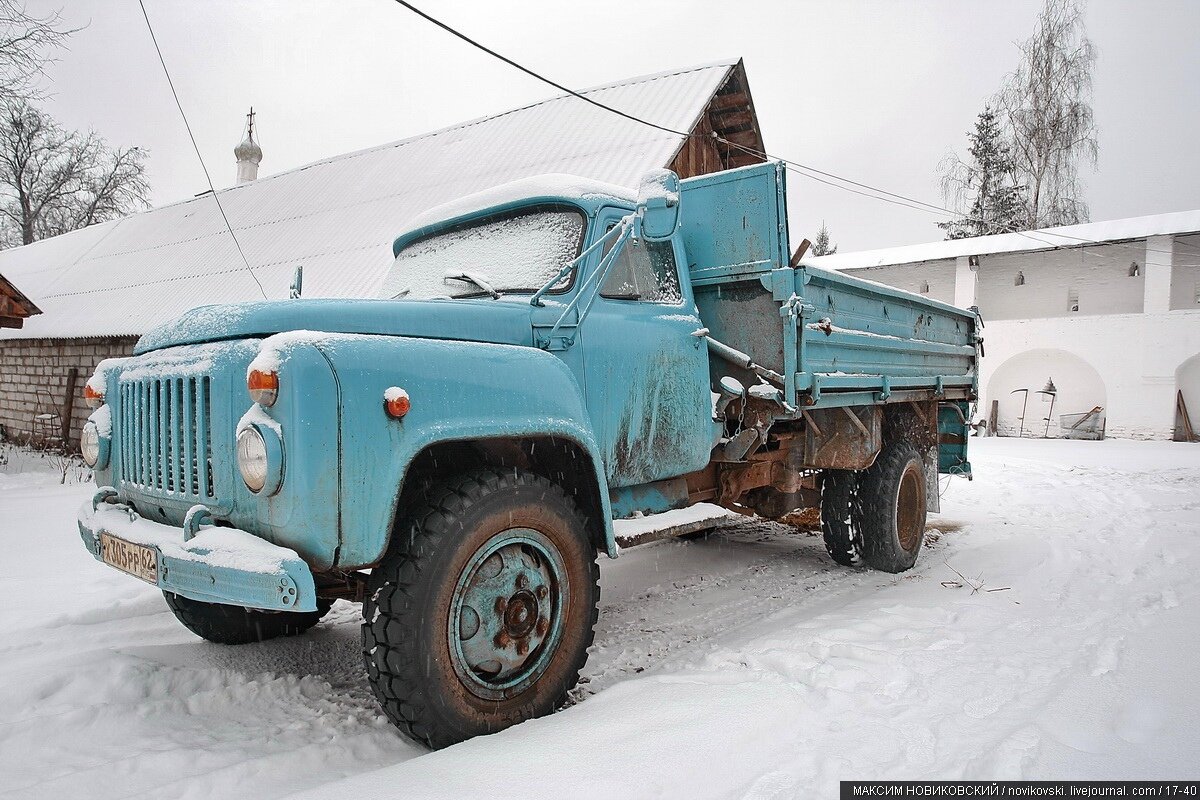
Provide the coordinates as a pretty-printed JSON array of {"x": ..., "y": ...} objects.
[
  {"x": 484, "y": 608},
  {"x": 225, "y": 624}
]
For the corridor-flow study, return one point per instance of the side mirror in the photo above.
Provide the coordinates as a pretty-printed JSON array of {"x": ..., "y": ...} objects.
[
  {"x": 297, "y": 283},
  {"x": 658, "y": 205}
]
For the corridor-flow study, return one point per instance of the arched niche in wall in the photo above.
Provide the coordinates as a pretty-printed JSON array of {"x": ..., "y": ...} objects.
[
  {"x": 1187, "y": 380},
  {"x": 1078, "y": 386}
]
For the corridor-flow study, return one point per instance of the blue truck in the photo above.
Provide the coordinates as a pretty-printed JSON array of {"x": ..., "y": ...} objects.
[{"x": 543, "y": 358}]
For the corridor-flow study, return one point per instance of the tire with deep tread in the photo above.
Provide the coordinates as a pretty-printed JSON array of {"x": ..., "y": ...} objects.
[
  {"x": 843, "y": 540},
  {"x": 225, "y": 624},
  {"x": 406, "y": 645},
  {"x": 890, "y": 508}
]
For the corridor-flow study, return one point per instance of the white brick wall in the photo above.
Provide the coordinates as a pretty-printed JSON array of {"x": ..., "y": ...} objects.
[{"x": 34, "y": 375}]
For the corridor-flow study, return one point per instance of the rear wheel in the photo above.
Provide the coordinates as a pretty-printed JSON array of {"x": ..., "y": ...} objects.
[
  {"x": 891, "y": 507},
  {"x": 225, "y": 624},
  {"x": 839, "y": 527},
  {"x": 483, "y": 610}
]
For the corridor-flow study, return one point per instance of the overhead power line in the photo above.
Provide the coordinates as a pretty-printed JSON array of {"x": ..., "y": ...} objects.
[
  {"x": 196, "y": 147},
  {"x": 805, "y": 170},
  {"x": 531, "y": 73}
]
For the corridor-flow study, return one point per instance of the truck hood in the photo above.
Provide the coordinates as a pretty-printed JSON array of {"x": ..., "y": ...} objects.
[{"x": 493, "y": 321}]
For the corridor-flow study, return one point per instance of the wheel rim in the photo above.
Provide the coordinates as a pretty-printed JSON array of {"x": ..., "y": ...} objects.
[
  {"x": 506, "y": 617},
  {"x": 910, "y": 507}
]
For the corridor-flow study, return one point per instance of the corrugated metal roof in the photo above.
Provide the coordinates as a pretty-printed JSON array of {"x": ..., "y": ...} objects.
[
  {"x": 338, "y": 216},
  {"x": 1113, "y": 230}
]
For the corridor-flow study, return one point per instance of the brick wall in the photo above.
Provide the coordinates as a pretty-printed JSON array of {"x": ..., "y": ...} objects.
[{"x": 34, "y": 375}]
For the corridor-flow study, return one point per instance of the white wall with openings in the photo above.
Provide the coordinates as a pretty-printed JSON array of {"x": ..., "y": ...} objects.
[
  {"x": 1024, "y": 409},
  {"x": 1108, "y": 279},
  {"x": 931, "y": 278},
  {"x": 1137, "y": 355}
]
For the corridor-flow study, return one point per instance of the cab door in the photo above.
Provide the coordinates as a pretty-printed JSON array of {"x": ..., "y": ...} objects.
[{"x": 646, "y": 364}]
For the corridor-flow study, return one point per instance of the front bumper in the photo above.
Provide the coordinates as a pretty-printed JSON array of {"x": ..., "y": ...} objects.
[{"x": 217, "y": 565}]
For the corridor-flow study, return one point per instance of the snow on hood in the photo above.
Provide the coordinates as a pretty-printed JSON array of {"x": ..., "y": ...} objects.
[{"x": 493, "y": 321}]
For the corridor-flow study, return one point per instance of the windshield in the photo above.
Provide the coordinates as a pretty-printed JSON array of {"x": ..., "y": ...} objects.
[{"x": 510, "y": 253}]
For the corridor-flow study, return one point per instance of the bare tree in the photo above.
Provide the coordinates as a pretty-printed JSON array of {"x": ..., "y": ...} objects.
[
  {"x": 25, "y": 43},
  {"x": 53, "y": 180},
  {"x": 1045, "y": 106}
]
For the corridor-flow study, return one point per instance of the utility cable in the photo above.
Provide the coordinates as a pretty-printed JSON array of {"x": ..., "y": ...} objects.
[
  {"x": 801, "y": 169},
  {"x": 196, "y": 147}
]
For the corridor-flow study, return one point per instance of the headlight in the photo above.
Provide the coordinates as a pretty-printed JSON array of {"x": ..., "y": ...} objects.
[
  {"x": 89, "y": 444},
  {"x": 252, "y": 458},
  {"x": 260, "y": 460}
]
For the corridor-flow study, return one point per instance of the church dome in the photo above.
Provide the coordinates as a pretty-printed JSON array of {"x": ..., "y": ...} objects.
[{"x": 248, "y": 150}]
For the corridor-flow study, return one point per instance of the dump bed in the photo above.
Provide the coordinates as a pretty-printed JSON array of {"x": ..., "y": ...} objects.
[{"x": 834, "y": 339}]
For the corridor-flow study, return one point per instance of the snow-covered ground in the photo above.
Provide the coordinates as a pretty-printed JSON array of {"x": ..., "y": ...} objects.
[{"x": 745, "y": 665}]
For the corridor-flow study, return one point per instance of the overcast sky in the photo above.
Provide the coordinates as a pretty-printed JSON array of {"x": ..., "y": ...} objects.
[{"x": 874, "y": 91}]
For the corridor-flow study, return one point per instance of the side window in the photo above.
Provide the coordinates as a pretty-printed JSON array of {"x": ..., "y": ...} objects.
[{"x": 643, "y": 271}]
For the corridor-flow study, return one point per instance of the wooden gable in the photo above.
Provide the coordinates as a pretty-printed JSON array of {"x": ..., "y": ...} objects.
[
  {"x": 14, "y": 306},
  {"x": 729, "y": 115}
]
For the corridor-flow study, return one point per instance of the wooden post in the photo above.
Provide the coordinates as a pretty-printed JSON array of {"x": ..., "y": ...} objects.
[
  {"x": 1183, "y": 423},
  {"x": 68, "y": 406},
  {"x": 799, "y": 254},
  {"x": 993, "y": 416}
]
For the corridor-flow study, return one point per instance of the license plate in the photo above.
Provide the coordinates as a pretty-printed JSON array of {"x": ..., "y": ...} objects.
[{"x": 136, "y": 559}]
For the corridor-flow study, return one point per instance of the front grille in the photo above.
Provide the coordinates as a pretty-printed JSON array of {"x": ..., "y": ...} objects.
[{"x": 166, "y": 436}]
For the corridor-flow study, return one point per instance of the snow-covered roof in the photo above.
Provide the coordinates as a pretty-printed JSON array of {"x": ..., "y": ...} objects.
[
  {"x": 338, "y": 217},
  {"x": 1114, "y": 230}
]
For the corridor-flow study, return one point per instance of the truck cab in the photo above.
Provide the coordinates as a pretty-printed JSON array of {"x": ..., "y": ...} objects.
[{"x": 541, "y": 358}]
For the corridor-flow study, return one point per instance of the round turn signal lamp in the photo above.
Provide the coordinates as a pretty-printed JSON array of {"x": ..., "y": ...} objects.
[{"x": 396, "y": 401}]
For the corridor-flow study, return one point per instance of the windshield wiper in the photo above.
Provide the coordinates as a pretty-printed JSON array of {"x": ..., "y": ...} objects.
[{"x": 473, "y": 277}]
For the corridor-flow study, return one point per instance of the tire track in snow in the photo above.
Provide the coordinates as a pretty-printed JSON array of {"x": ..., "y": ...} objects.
[{"x": 714, "y": 588}]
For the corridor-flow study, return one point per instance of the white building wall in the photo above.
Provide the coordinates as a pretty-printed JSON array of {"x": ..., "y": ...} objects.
[
  {"x": 1098, "y": 277},
  {"x": 1185, "y": 273},
  {"x": 1187, "y": 379},
  {"x": 1136, "y": 355},
  {"x": 1131, "y": 346},
  {"x": 1019, "y": 386},
  {"x": 1159, "y": 251},
  {"x": 965, "y": 282},
  {"x": 940, "y": 275}
]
